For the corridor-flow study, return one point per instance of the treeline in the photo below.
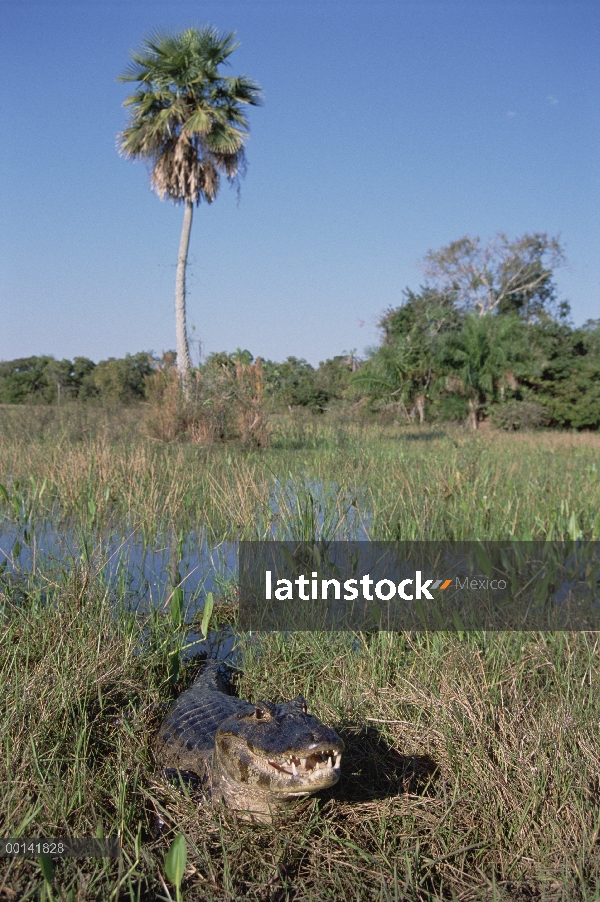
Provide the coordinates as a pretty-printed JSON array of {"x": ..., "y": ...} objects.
[
  {"x": 484, "y": 338},
  {"x": 432, "y": 364},
  {"x": 44, "y": 380}
]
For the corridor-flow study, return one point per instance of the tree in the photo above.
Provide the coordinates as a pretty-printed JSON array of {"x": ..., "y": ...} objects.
[
  {"x": 406, "y": 365},
  {"x": 59, "y": 373},
  {"x": 294, "y": 384},
  {"x": 44, "y": 380},
  {"x": 24, "y": 380},
  {"x": 187, "y": 121},
  {"x": 563, "y": 373},
  {"x": 333, "y": 376},
  {"x": 123, "y": 380},
  {"x": 503, "y": 276},
  {"x": 480, "y": 359}
]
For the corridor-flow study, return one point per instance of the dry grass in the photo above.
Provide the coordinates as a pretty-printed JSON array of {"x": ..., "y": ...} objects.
[
  {"x": 406, "y": 483},
  {"x": 222, "y": 406}
]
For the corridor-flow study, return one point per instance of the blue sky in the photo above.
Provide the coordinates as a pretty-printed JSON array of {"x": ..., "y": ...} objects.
[{"x": 388, "y": 128}]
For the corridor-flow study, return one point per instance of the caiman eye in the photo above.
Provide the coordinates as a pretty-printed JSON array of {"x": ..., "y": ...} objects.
[{"x": 260, "y": 712}]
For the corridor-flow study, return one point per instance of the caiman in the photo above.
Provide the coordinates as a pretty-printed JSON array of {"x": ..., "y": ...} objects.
[{"x": 259, "y": 759}]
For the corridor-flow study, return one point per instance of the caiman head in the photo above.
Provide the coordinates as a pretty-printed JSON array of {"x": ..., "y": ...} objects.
[{"x": 269, "y": 757}]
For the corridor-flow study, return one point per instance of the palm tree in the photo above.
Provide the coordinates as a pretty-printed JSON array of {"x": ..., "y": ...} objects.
[
  {"x": 479, "y": 360},
  {"x": 405, "y": 368},
  {"x": 187, "y": 121}
]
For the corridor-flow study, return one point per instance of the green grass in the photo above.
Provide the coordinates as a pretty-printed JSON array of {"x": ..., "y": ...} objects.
[
  {"x": 396, "y": 483},
  {"x": 472, "y": 764}
]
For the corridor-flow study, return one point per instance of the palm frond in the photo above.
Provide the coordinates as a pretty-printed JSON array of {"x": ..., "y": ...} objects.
[
  {"x": 224, "y": 140},
  {"x": 185, "y": 117},
  {"x": 200, "y": 122},
  {"x": 243, "y": 89}
]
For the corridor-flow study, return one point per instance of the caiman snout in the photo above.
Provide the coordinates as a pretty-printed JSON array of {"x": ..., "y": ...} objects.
[{"x": 268, "y": 758}]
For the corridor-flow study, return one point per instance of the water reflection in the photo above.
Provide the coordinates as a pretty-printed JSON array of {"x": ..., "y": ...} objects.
[{"x": 146, "y": 573}]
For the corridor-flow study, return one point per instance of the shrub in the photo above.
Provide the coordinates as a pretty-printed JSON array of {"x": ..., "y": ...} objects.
[
  {"x": 516, "y": 415},
  {"x": 294, "y": 383},
  {"x": 223, "y": 403},
  {"x": 451, "y": 408},
  {"x": 167, "y": 415}
]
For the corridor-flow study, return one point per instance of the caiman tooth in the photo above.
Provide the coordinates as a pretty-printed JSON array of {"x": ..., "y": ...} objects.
[
  {"x": 329, "y": 762},
  {"x": 294, "y": 769}
]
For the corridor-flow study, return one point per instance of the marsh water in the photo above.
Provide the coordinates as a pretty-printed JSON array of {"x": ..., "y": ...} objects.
[
  {"x": 141, "y": 568},
  {"x": 146, "y": 573},
  {"x": 139, "y": 574}
]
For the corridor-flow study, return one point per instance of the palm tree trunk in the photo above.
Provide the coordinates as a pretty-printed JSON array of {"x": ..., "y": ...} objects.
[
  {"x": 473, "y": 414},
  {"x": 184, "y": 363},
  {"x": 420, "y": 405}
]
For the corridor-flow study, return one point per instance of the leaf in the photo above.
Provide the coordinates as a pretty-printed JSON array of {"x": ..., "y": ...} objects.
[
  {"x": 574, "y": 529},
  {"x": 421, "y": 614},
  {"x": 46, "y": 867},
  {"x": 4, "y": 493},
  {"x": 207, "y": 614},
  {"x": 483, "y": 560},
  {"x": 177, "y": 606},
  {"x": 175, "y": 860},
  {"x": 85, "y": 551},
  {"x": 200, "y": 122},
  {"x": 457, "y": 623},
  {"x": 174, "y": 667},
  {"x": 541, "y": 592}
]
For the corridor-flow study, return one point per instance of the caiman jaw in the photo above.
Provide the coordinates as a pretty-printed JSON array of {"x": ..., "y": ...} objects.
[{"x": 299, "y": 765}]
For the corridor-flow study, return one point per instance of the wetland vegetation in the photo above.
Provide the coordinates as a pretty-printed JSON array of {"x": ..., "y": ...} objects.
[{"x": 472, "y": 760}]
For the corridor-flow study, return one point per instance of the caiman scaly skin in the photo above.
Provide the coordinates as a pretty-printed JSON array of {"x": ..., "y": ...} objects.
[{"x": 259, "y": 759}]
